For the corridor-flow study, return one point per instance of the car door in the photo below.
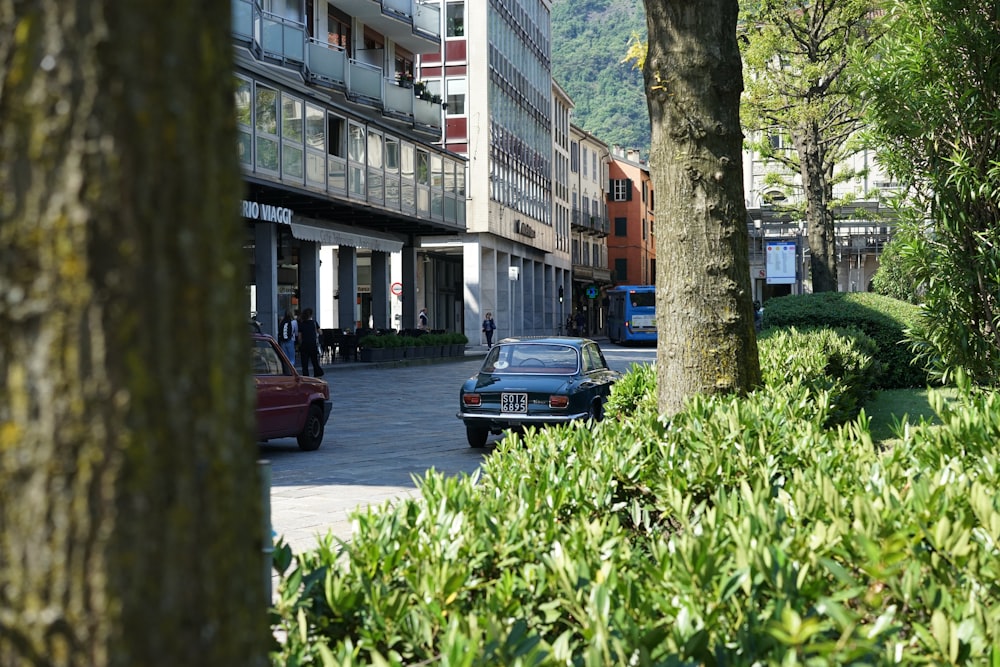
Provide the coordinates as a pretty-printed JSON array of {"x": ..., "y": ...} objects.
[
  {"x": 280, "y": 404},
  {"x": 599, "y": 376}
]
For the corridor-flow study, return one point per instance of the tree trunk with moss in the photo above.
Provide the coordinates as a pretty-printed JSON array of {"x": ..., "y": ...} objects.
[
  {"x": 131, "y": 527},
  {"x": 693, "y": 77}
]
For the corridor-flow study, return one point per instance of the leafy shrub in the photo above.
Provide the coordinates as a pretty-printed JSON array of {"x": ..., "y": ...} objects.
[
  {"x": 841, "y": 362},
  {"x": 635, "y": 391},
  {"x": 884, "y": 319}
]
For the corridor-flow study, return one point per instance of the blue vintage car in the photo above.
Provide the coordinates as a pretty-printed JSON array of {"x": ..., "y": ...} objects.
[{"x": 535, "y": 382}]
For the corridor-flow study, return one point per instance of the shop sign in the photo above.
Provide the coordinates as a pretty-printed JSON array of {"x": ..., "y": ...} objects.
[
  {"x": 524, "y": 229},
  {"x": 267, "y": 212}
]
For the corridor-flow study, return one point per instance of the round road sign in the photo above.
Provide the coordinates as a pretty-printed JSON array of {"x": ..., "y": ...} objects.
[{"x": 397, "y": 289}]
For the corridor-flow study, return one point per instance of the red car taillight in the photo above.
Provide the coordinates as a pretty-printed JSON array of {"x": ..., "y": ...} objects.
[
  {"x": 558, "y": 401},
  {"x": 472, "y": 400}
]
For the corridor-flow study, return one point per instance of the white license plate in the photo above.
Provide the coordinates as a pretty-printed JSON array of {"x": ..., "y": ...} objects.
[{"x": 516, "y": 403}]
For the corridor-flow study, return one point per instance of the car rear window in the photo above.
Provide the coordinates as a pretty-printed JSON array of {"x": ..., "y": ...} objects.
[
  {"x": 532, "y": 358},
  {"x": 266, "y": 361}
]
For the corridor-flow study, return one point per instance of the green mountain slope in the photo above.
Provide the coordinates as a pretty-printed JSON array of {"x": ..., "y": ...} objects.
[{"x": 589, "y": 42}]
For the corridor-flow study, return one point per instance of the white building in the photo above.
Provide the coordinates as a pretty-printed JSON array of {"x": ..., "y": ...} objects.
[{"x": 493, "y": 71}]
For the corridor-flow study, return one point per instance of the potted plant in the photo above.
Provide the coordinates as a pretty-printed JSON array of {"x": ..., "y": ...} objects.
[
  {"x": 404, "y": 79},
  {"x": 410, "y": 346}
]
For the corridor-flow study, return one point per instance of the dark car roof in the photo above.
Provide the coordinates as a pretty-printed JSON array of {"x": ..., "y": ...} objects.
[{"x": 548, "y": 340}]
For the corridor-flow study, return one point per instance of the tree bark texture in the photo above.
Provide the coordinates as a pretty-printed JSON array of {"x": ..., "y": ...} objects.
[
  {"x": 130, "y": 525},
  {"x": 810, "y": 144},
  {"x": 693, "y": 78}
]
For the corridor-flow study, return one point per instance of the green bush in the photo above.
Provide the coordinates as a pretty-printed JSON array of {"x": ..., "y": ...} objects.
[
  {"x": 841, "y": 362},
  {"x": 740, "y": 532},
  {"x": 884, "y": 319}
]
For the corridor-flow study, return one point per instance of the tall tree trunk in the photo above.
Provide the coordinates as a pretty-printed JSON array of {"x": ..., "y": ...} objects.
[
  {"x": 819, "y": 216},
  {"x": 130, "y": 526},
  {"x": 693, "y": 78}
]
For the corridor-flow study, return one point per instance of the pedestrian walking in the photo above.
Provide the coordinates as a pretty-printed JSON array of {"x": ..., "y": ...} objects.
[
  {"x": 489, "y": 326},
  {"x": 422, "y": 319},
  {"x": 309, "y": 343},
  {"x": 288, "y": 333}
]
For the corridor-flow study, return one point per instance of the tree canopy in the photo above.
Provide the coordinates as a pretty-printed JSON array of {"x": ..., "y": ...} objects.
[
  {"x": 933, "y": 96},
  {"x": 801, "y": 108}
]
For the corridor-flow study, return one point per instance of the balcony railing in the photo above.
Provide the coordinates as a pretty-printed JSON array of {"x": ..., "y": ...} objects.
[
  {"x": 427, "y": 18},
  {"x": 327, "y": 63},
  {"x": 285, "y": 40}
]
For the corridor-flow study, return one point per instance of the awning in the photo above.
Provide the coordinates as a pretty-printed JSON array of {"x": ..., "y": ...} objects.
[{"x": 329, "y": 233}]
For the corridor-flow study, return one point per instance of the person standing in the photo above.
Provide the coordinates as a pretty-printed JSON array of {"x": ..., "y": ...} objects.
[
  {"x": 489, "y": 326},
  {"x": 309, "y": 343},
  {"x": 288, "y": 333},
  {"x": 422, "y": 319}
]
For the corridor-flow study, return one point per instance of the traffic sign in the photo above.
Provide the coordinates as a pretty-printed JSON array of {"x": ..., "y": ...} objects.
[{"x": 397, "y": 289}]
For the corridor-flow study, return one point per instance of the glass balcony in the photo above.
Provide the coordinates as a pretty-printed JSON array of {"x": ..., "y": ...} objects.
[
  {"x": 326, "y": 63},
  {"x": 427, "y": 19},
  {"x": 283, "y": 39},
  {"x": 246, "y": 21},
  {"x": 364, "y": 81},
  {"x": 398, "y": 99},
  {"x": 427, "y": 113}
]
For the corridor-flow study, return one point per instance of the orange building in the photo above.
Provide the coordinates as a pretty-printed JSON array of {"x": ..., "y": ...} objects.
[{"x": 631, "y": 244}]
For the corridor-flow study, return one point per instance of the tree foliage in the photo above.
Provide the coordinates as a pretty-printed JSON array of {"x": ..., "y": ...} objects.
[
  {"x": 934, "y": 103},
  {"x": 693, "y": 80},
  {"x": 130, "y": 526},
  {"x": 589, "y": 40},
  {"x": 801, "y": 108},
  {"x": 896, "y": 276}
]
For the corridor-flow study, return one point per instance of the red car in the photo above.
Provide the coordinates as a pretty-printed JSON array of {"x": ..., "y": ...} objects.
[{"x": 288, "y": 404}]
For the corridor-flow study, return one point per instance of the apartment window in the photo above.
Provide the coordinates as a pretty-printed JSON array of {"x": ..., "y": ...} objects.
[
  {"x": 621, "y": 189},
  {"x": 315, "y": 145},
  {"x": 356, "y": 153},
  {"x": 574, "y": 157},
  {"x": 584, "y": 150},
  {"x": 456, "y": 18},
  {"x": 266, "y": 128},
  {"x": 292, "y": 153},
  {"x": 621, "y": 270},
  {"x": 621, "y": 226},
  {"x": 338, "y": 30},
  {"x": 244, "y": 111},
  {"x": 336, "y": 133},
  {"x": 456, "y": 96},
  {"x": 593, "y": 157}
]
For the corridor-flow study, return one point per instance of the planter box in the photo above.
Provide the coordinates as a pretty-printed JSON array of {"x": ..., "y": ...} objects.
[
  {"x": 410, "y": 352},
  {"x": 371, "y": 354}
]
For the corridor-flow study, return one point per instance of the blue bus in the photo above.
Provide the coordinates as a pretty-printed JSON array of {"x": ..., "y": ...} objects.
[{"x": 632, "y": 314}]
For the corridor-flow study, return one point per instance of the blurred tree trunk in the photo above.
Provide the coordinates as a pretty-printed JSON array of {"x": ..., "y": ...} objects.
[
  {"x": 130, "y": 525},
  {"x": 693, "y": 77}
]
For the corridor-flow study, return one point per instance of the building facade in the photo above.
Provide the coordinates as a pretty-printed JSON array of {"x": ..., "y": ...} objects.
[
  {"x": 863, "y": 223},
  {"x": 589, "y": 173},
  {"x": 631, "y": 240},
  {"x": 342, "y": 164},
  {"x": 494, "y": 73}
]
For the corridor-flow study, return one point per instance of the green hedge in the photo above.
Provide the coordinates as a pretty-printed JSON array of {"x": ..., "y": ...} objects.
[
  {"x": 842, "y": 362},
  {"x": 741, "y": 532},
  {"x": 883, "y": 318}
]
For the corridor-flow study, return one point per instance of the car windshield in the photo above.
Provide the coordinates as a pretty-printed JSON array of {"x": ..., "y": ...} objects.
[{"x": 532, "y": 358}]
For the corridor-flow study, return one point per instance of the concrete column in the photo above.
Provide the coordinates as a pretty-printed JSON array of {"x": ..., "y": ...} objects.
[
  {"x": 409, "y": 280},
  {"x": 266, "y": 275},
  {"x": 475, "y": 307},
  {"x": 347, "y": 283},
  {"x": 380, "y": 290},
  {"x": 309, "y": 296}
]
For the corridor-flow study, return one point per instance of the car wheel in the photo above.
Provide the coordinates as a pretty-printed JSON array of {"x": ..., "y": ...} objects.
[
  {"x": 596, "y": 411},
  {"x": 477, "y": 436},
  {"x": 312, "y": 435}
]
